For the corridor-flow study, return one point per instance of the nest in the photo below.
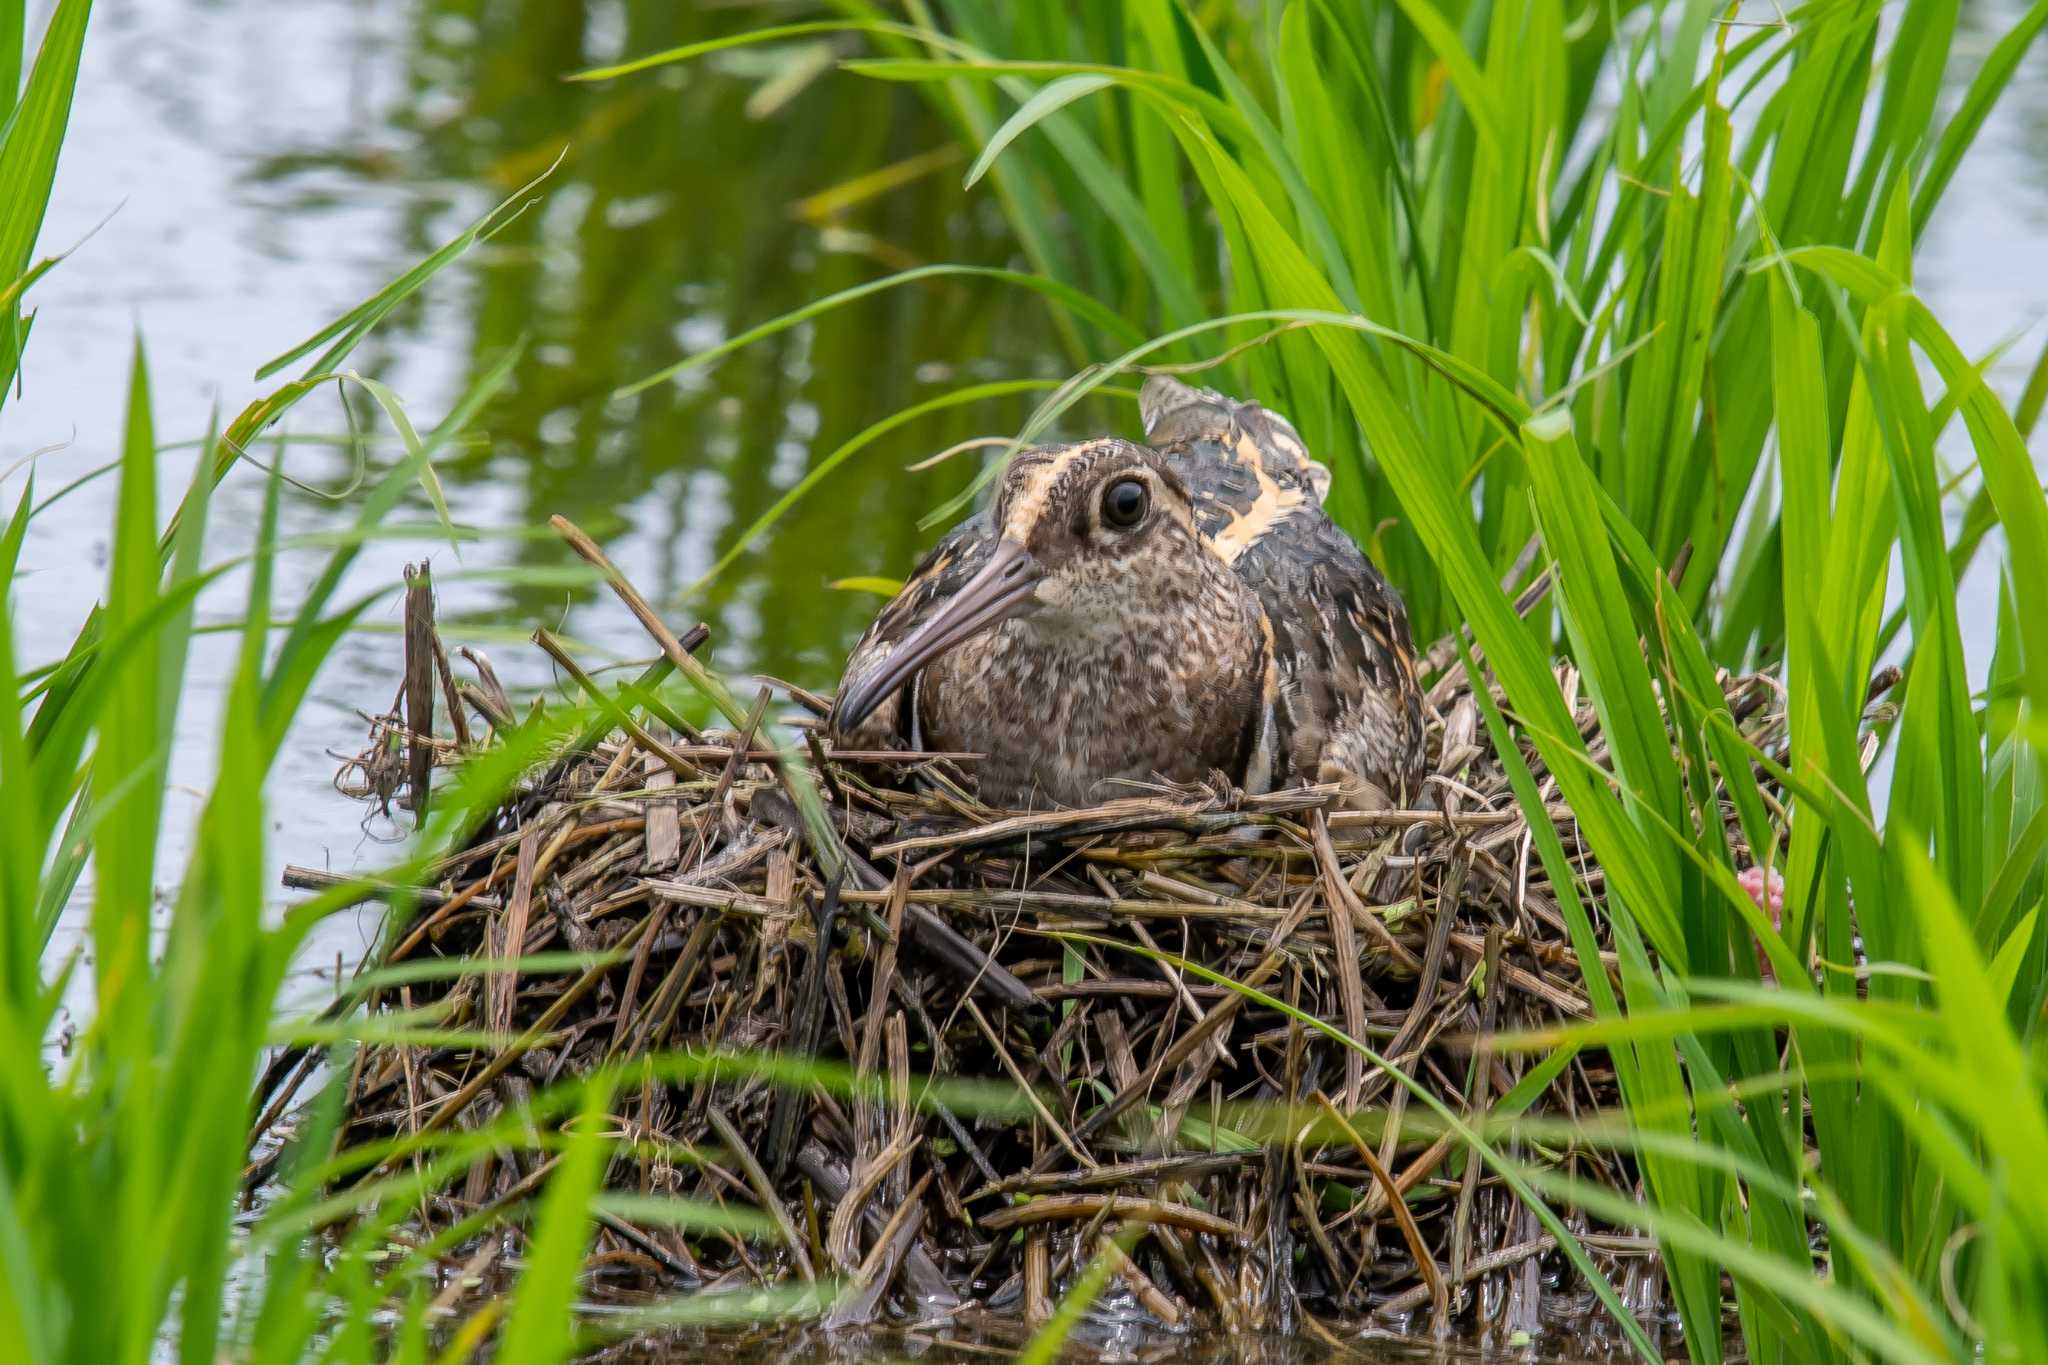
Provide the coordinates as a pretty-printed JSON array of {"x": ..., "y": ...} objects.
[{"x": 1021, "y": 1058}]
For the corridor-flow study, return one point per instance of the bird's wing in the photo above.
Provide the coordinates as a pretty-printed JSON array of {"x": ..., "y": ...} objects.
[
  {"x": 940, "y": 574},
  {"x": 1350, "y": 709}
]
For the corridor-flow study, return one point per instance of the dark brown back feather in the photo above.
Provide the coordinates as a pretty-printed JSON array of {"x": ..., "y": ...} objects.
[{"x": 1348, "y": 702}]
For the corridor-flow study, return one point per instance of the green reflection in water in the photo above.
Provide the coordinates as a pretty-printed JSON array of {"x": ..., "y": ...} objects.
[{"x": 676, "y": 219}]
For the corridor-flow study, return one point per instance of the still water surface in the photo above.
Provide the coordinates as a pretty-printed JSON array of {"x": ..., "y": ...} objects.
[{"x": 253, "y": 169}]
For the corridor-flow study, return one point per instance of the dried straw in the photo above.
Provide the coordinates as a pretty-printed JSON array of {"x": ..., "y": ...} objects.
[{"x": 1241, "y": 1170}]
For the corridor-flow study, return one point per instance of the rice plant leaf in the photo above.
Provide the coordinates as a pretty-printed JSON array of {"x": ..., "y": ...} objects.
[
  {"x": 2021, "y": 865},
  {"x": 1220, "y": 112},
  {"x": 2003, "y": 1084},
  {"x": 2004, "y": 969},
  {"x": 1141, "y": 235},
  {"x": 852, "y": 446},
  {"x": 415, "y": 449},
  {"x": 1459, "y": 67},
  {"x": 690, "y": 1215},
  {"x": 390, "y": 1034},
  {"x": 1371, "y": 84},
  {"x": 384, "y": 496},
  {"x": 33, "y": 135},
  {"x": 456, "y": 969},
  {"x": 132, "y": 743},
  {"x": 1047, "y": 1343},
  {"x": 774, "y": 33},
  {"x": 13, "y": 25},
  {"x": 1278, "y": 163},
  {"x": 2001, "y": 453},
  {"x": 21, "y": 848},
  {"x": 725, "y": 1307},
  {"x": 1937, "y": 738},
  {"x": 1066, "y": 296},
  {"x": 2034, "y": 397},
  {"x": 188, "y": 544},
  {"x": 1613, "y": 664},
  {"x": 1794, "y": 1283},
  {"x": 881, "y": 587},
  {"x": 1049, "y": 99}
]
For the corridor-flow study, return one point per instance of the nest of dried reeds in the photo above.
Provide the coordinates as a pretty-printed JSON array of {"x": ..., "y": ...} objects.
[{"x": 1240, "y": 1168}]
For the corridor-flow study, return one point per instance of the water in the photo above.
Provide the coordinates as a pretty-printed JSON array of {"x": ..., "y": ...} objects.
[{"x": 240, "y": 173}]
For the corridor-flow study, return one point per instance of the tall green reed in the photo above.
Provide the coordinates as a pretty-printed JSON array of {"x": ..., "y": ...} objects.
[{"x": 1636, "y": 281}]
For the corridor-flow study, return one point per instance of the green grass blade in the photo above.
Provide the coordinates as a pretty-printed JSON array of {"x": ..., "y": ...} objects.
[
  {"x": 34, "y": 134},
  {"x": 13, "y": 35},
  {"x": 541, "y": 1330},
  {"x": 342, "y": 335},
  {"x": 772, "y": 34},
  {"x": 132, "y": 743},
  {"x": 1985, "y": 88},
  {"x": 21, "y": 847},
  {"x": 1067, "y": 297},
  {"x": 852, "y": 446},
  {"x": 1049, "y": 99}
]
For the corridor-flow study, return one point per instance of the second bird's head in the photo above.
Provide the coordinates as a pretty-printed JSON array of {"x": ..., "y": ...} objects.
[{"x": 1084, "y": 531}]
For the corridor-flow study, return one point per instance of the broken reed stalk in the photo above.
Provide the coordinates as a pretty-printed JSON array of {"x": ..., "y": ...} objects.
[{"x": 1238, "y": 1171}]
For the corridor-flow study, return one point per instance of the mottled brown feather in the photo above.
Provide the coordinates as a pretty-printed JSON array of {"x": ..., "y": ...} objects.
[{"x": 1350, "y": 709}]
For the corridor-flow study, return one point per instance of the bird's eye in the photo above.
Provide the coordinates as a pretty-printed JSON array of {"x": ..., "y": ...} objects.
[{"x": 1124, "y": 503}]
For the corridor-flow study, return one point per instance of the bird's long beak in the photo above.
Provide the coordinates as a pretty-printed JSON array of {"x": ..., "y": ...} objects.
[{"x": 1000, "y": 591}]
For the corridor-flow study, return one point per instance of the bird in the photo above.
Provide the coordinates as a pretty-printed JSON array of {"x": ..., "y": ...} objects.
[{"x": 1133, "y": 613}]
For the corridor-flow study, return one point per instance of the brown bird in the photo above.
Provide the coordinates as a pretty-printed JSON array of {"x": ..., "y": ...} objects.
[{"x": 1124, "y": 613}]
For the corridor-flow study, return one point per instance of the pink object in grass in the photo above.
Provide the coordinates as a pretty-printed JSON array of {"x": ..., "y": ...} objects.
[{"x": 1767, "y": 888}]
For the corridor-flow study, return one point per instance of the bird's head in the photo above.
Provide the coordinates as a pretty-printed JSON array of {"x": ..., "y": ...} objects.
[{"x": 1088, "y": 535}]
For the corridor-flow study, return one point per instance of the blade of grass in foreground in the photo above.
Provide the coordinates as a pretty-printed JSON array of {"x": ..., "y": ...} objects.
[
  {"x": 1072, "y": 299},
  {"x": 541, "y": 1329},
  {"x": 35, "y": 135},
  {"x": 128, "y": 789},
  {"x": 1047, "y": 1342},
  {"x": 345, "y": 332}
]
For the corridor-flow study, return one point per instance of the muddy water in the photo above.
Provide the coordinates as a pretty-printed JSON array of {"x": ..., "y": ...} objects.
[{"x": 242, "y": 171}]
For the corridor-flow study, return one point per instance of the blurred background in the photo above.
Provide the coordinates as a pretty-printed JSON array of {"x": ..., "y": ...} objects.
[{"x": 240, "y": 172}]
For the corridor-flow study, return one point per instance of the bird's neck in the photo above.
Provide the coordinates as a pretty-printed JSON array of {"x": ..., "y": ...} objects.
[
  {"x": 1073, "y": 715},
  {"x": 1187, "y": 624}
]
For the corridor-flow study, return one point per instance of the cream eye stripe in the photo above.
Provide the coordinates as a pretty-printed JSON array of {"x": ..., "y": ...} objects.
[{"x": 1029, "y": 500}]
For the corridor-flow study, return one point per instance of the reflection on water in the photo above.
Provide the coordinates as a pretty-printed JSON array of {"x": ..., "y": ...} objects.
[
  {"x": 261, "y": 167},
  {"x": 676, "y": 219},
  {"x": 241, "y": 173}
]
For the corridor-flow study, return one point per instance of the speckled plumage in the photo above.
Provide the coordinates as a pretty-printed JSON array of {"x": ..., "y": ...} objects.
[
  {"x": 1235, "y": 629},
  {"x": 1349, "y": 709}
]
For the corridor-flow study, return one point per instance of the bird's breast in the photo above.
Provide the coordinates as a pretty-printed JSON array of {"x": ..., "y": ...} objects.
[{"x": 1074, "y": 726}]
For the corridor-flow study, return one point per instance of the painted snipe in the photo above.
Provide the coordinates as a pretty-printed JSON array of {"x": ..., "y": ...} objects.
[{"x": 1129, "y": 613}]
